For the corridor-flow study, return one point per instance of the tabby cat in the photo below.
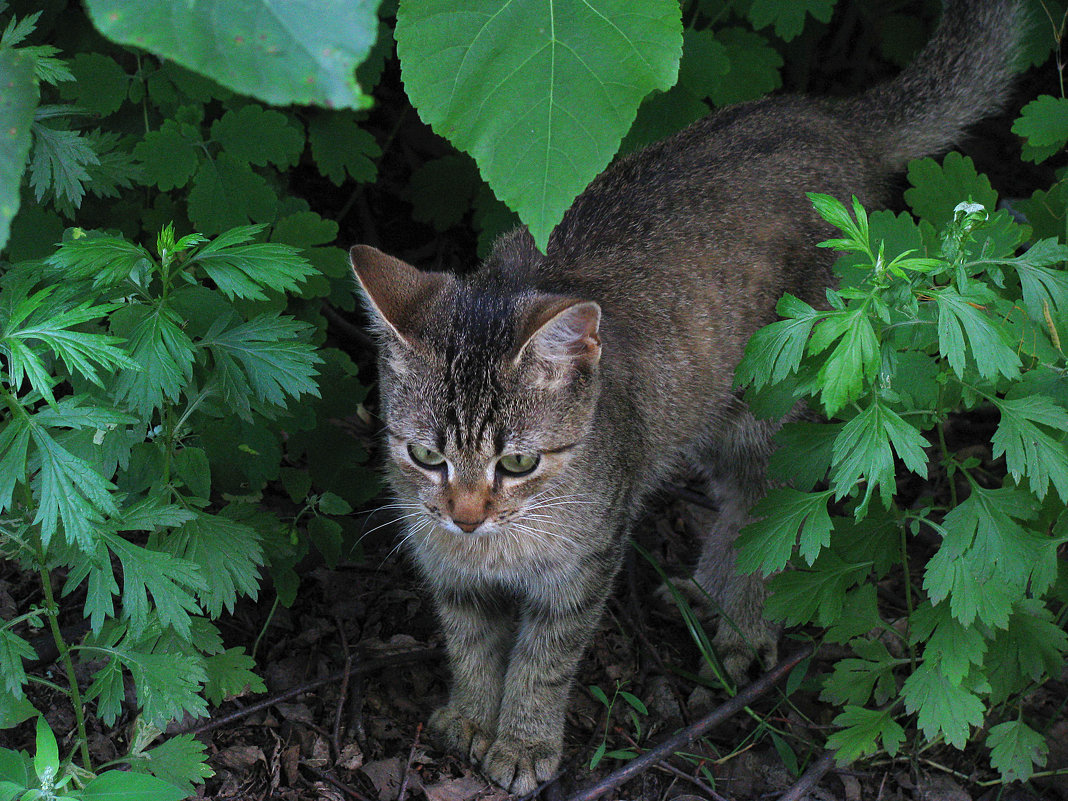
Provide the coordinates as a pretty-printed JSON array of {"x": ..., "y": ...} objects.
[{"x": 534, "y": 405}]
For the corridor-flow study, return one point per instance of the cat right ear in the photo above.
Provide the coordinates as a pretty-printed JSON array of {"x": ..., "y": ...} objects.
[
  {"x": 562, "y": 334},
  {"x": 397, "y": 292}
]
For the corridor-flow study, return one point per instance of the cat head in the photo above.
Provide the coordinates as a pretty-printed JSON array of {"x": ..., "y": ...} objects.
[{"x": 487, "y": 390}]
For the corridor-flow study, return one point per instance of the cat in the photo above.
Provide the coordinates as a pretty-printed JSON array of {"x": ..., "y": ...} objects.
[{"x": 533, "y": 406}]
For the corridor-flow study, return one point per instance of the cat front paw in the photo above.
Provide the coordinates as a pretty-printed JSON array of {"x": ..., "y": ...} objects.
[
  {"x": 459, "y": 734},
  {"x": 519, "y": 766}
]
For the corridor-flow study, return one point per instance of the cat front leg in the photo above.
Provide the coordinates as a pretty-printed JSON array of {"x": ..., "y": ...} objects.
[
  {"x": 545, "y": 657},
  {"x": 479, "y": 629}
]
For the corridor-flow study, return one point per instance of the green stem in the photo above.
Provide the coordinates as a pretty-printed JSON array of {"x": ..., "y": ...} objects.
[{"x": 68, "y": 665}]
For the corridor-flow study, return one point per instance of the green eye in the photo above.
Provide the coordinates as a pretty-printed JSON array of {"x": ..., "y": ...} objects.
[
  {"x": 519, "y": 464},
  {"x": 424, "y": 457}
]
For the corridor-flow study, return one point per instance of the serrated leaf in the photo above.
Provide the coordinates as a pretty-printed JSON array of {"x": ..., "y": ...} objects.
[
  {"x": 557, "y": 86},
  {"x": 171, "y": 581},
  {"x": 1030, "y": 449},
  {"x": 342, "y": 147},
  {"x": 227, "y": 554},
  {"x": 854, "y": 679},
  {"x": 785, "y": 513},
  {"x": 178, "y": 760},
  {"x": 775, "y": 351},
  {"x": 128, "y": 786},
  {"x": 168, "y": 157},
  {"x": 241, "y": 269},
  {"x": 862, "y": 451},
  {"x": 100, "y": 85},
  {"x": 1044, "y": 289},
  {"x": 273, "y": 50},
  {"x": 944, "y": 707},
  {"x": 254, "y": 135},
  {"x": 938, "y": 188},
  {"x": 788, "y": 16},
  {"x": 14, "y": 447},
  {"x": 60, "y": 164},
  {"x": 106, "y": 260},
  {"x": 854, "y": 360},
  {"x": 803, "y": 455},
  {"x": 1031, "y": 647},
  {"x": 950, "y": 645},
  {"x": 272, "y": 357},
  {"x": 754, "y": 67},
  {"x": 226, "y": 194},
  {"x": 818, "y": 593},
  {"x": 860, "y": 615},
  {"x": 1044, "y": 122},
  {"x": 13, "y": 650},
  {"x": 17, "y": 104},
  {"x": 862, "y": 731},
  {"x": 164, "y": 352},
  {"x": 1015, "y": 750},
  {"x": 963, "y": 318},
  {"x": 231, "y": 673}
]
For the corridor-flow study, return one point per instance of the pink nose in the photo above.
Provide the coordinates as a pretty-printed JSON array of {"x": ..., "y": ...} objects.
[{"x": 466, "y": 526}]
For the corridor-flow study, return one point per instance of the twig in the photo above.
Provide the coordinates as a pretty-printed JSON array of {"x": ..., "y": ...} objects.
[
  {"x": 810, "y": 778},
  {"x": 687, "y": 735},
  {"x": 342, "y": 697},
  {"x": 403, "y": 791},
  {"x": 326, "y": 777},
  {"x": 362, "y": 668},
  {"x": 700, "y": 785}
]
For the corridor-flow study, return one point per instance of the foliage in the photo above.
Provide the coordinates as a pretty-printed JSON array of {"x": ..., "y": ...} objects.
[
  {"x": 924, "y": 328},
  {"x": 634, "y": 707},
  {"x": 147, "y": 391}
]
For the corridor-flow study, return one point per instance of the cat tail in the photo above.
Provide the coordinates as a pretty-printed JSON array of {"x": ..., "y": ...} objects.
[{"x": 962, "y": 75}]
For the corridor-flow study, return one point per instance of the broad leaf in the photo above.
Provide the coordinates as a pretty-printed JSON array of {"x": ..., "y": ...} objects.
[
  {"x": 278, "y": 51},
  {"x": 1015, "y": 749},
  {"x": 17, "y": 104},
  {"x": 540, "y": 94},
  {"x": 944, "y": 706}
]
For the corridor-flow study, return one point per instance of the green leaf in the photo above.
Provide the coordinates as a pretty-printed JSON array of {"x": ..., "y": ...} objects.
[
  {"x": 1044, "y": 123},
  {"x": 754, "y": 67},
  {"x": 60, "y": 164},
  {"x": 168, "y": 685},
  {"x": 70, "y": 491},
  {"x": 800, "y": 596},
  {"x": 860, "y": 615},
  {"x": 862, "y": 730},
  {"x": 965, "y": 316},
  {"x": 229, "y": 674},
  {"x": 854, "y": 680},
  {"x": 113, "y": 785},
  {"x": 100, "y": 85},
  {"x": 775, "y": 351},
  {"x": 17, "y": 104},
  {"x": 273, "y": 361},
  {"x": 14, "y": 649},
  {"x": 1015, "y": 749},
  {"x": 766, "y": 544},
  {"x": 945, "y": 707},
  {"x": 951, "y": 645},
  {"x": 178, "y": 760},
  {"x": 105, "y": 260},
  {"x": 46, "y": 756},
  {"x": 937, "y": 189},
  {"x": 854, "y": 359},
  {"x": 227, "y": 193},
  {"x": 1031, "y": 647},
  {"x": 1044, "y": 289},
  {"x": 242, "y": 269},
  {"x": 325, "y": 534},
  {"x": 227, "y": 554},
  {"x": 164, "y": 352},
  {"x": 168, "y": 156},
  {"x": 13, "y": 711},
  {"x": 1030, "y": 450},
  {"x": 254, "y": 135},
  {"x": 556, "y": 84},
  {"x": 170, "y": 580},
  {"x": 788, "y": 16},
  {"x": 342, "y": 147},
  {"x": 863, "y": 451},
  {"x": 803, "y": 455},
  {"x": 14, "y": 446},
  {"x": 271, "y": 49}
]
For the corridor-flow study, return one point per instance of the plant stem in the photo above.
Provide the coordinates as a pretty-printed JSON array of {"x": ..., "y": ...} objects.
[{"x": 68, "y": 666}]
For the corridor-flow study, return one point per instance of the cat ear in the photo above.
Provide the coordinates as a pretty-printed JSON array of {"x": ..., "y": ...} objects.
[
  {"x": 397, "y": 292},
  {"x": 562, "y": 334}
]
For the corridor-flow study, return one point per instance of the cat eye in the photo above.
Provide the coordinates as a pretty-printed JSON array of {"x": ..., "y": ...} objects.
[
  {"x": 518, "y": 464},
  {"x": 424, "y": 457}
]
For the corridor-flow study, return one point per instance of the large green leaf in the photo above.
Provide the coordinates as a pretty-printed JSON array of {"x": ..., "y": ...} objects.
[
  {"x": 18, "y": 99},
  {"x": 540, "y": 94},
  {"x": 279, "y": 51}
]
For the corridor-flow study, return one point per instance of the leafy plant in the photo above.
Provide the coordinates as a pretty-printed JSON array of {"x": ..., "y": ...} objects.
[
  {"x": 635, "y": 707},
  {"x": 923, "y": 329}
]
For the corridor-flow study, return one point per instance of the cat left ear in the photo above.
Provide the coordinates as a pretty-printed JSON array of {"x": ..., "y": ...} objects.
[
  {"x": 398, "y": 292},
  {"x": 563, "y": 333}
]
